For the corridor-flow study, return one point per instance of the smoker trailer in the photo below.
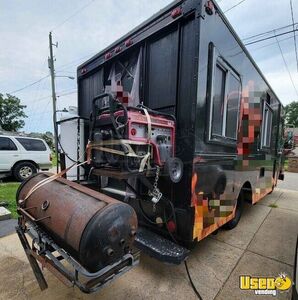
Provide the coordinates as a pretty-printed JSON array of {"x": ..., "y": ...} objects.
[{"x": 180, "y": 125}]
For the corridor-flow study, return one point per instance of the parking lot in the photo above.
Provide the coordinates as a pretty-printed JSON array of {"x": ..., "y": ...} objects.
[{"x": 262, "y": 244}]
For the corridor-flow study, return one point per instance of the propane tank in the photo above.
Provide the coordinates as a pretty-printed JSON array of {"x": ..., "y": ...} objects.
[{"x": 95, "y": 229}]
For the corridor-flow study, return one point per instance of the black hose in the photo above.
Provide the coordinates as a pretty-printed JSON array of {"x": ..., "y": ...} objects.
[
  {"x": 191, "y": 282},
  {"x": 144, "y": 214},
  {"x": 185, "y": 263}
]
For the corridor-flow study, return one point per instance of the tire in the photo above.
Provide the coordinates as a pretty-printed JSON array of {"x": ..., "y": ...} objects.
[
  {"x": 24, "y": 170},
  {"x": 239, "y": 208}
]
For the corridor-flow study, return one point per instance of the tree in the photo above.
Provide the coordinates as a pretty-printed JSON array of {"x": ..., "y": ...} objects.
[
  {"x": 49, "y": 138},
  {"x": 11, "y": 113},
  {"x": 291, "y": 111}
]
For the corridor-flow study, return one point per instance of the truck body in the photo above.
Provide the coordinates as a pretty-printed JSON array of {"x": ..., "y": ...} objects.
[{"x": 192, "y": 64}]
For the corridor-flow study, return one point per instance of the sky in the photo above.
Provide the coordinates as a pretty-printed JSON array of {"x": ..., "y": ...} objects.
[{"x": 83, "y": 27}]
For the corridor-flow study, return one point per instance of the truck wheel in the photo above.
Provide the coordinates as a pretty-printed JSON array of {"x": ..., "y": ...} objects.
[
  {"x": 239, "y": 208},
  {"x": 24, "y": 170}
]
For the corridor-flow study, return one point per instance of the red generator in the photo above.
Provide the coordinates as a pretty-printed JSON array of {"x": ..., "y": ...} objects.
[{"x": 132, "y": 139}]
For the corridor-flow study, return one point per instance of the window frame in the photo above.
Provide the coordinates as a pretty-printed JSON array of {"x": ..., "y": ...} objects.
[
  {"x": 264, "y": 126},
  {"x": 218, "y": 61},
  {"x": 12, "y": 143}
]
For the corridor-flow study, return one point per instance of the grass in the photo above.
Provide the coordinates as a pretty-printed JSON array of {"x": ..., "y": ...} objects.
[
  {"x": 54, "y": 159},
  {"x": 273, "y": 206},
  {"x": 286, "y": 165},
  {"x": 8, "y": 195}
]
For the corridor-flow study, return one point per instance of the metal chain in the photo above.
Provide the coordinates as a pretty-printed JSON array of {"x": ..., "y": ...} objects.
[
  {"x": 155, "y": 193},
  {"x": 156, "y": 177}
]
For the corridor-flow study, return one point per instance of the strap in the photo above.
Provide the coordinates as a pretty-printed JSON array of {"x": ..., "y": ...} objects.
[
  {"x": 147, "y": 156},
  {"x": 51, "y": 178},
  {"x": 149, "y": 124},
  {"x": 127, "y": 143}
]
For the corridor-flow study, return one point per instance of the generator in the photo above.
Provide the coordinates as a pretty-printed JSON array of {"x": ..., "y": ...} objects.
[{"x": 131, "y": 139}]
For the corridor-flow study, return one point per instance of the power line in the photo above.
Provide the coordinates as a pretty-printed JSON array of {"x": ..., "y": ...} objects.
[
  {"x": 295, "y": 43},
  {"x": 270, "y": 37},
  {"x": 269, "y": 31},
  {"x": 66, "y": 94},
  {"x": 29, "y": 85},
  {"x": 72, "y": 62},
  {"x": 74, "y": 14},
  {"x": 286, "y": 65},
  {"x": 274, "y": 43},
  {"x": 234, "y": 6}
]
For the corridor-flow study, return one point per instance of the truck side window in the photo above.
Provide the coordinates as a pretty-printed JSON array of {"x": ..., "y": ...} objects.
[
  {"x": 225, "y": 98},
  {"x": 266, "y": 126},
  {"x": 218, "y": 100},
  {"x": 233, "y": 102},
  {"x": 6, "y": 144}
]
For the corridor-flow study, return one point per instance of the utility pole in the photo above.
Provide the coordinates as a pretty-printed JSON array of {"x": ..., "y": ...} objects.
[{"x": 52, "y": 70}]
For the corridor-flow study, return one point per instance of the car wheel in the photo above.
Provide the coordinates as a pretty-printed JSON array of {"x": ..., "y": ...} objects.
[
  {"x": 24, "y": 170},
  {"x": 239, "y": 208}
]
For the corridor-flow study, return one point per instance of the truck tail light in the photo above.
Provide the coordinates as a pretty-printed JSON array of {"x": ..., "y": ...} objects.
[
  {"x": 50, "y": 157},
  {"x": 176, "y": 12},
  {"x": 118, "y": 49},
  {"x": 108, "y": 55},
  {"x": 128, "y": 42}
]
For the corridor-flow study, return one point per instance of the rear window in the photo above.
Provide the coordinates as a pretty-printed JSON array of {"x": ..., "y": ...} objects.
[
  {"x": 32, "y": 145},
  {"x": 6, "y": 144}
]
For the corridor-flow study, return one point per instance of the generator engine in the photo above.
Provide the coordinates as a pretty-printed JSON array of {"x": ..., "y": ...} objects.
[{"x": 129, "y": 138}]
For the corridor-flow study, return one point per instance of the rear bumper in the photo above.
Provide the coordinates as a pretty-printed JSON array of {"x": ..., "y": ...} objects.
[
  {"x": 159, "y": 247},
  {"x": 45, "y": 167}
]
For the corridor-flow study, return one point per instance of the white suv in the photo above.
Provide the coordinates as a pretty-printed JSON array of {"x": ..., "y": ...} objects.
[{"x": 23, "y": 156}]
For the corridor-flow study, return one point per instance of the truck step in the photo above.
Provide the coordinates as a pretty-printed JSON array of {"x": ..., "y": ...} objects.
[{"x": 159, "y": 247}]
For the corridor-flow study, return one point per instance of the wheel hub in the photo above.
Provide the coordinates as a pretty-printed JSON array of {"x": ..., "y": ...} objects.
[{"x": 26, "y": 172}]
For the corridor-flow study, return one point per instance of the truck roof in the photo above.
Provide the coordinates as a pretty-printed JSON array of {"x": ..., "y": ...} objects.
[
  {"x": 133, "y": 31},
  {"x": 158, "y": 15}
]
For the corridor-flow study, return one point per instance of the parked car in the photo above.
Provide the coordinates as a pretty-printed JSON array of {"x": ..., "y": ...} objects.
[{"x": 23, "y": 156}]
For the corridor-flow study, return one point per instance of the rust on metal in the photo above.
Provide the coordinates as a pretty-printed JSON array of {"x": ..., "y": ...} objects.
[{"x": 79, "y": 219}]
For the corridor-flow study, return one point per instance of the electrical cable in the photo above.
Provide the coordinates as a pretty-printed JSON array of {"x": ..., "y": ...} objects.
[
  {"x": 185, "y": 263},
  {"x": 74, "y": 14},
  {"x": 29, "y": 85},
  {"x": 295, "y": 42},
  {"x": 234, "y": 6},
  {"x": 270, "y": 37},
  {"x": 269, "y": 31},
  {"x": 274, "y": 43},
  {"x": 287, "y": 67},
  {"x": 191, "y": 282}
]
